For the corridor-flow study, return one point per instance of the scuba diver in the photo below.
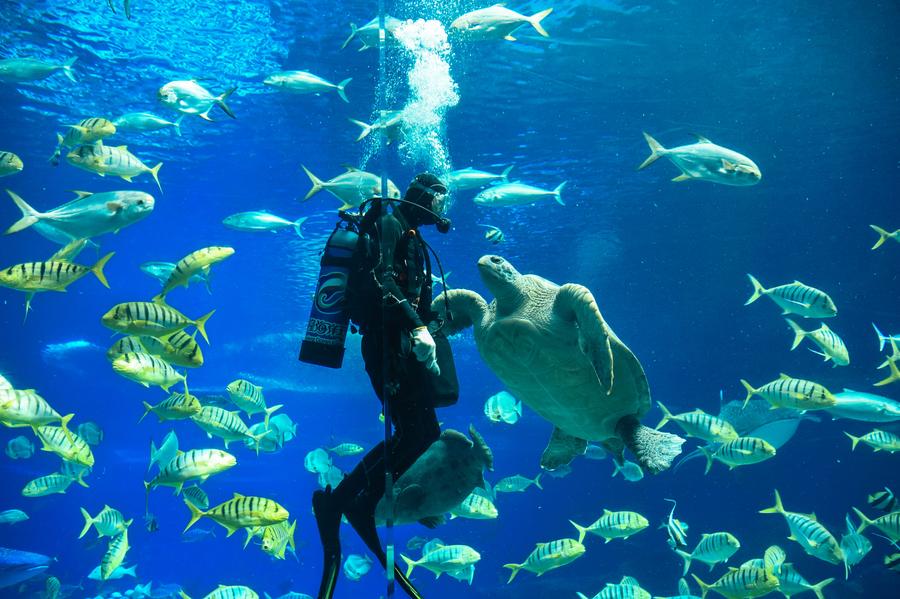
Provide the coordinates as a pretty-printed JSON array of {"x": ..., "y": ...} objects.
[{"x": 389, "y": 295}]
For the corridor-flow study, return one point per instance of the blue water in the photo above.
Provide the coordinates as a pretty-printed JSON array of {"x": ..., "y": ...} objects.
[{"x": 808, "y": 90}]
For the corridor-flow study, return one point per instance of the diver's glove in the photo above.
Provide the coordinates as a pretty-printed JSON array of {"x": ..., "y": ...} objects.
[{"x": 425, "y": 349}]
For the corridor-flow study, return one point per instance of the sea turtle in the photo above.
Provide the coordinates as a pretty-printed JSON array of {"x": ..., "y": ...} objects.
[{"x": 552, "y": 349}]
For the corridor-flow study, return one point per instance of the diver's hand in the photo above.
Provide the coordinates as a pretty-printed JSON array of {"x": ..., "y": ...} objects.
[{"x": 425, "y": 349}]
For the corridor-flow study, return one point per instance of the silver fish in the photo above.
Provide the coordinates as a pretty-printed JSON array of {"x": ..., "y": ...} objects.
[
  {"x": 496, "y": 22},
  {"x": 470, "y": 178},
  {"x": 145, "y": 121},
  {"x": 163, "y": 270},
  {"x": 517, "y": 194},
  {"x": 867, "y": 407},
  {"x": 262, "y": 221},
  {"x": 23, "y": 70},
  {"x": 389, "y": 121},
  {"x": 705, "y": 161},
  {"x": 352, "y": 187},
  {"x": 368, "y": 33},
  {"x": 10, "y": 164},
  {"x": 190, "y": 97},
  {"x": 304, "y": 82}
]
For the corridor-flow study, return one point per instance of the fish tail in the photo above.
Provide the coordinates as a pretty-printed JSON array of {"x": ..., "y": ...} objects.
[
  {"x": 64, "y": 424},
  {"x": 220, "y": 100},
  {"x": 201, "y": 325},
  {"x": 177, "y": 125},
  {"x": 656, "y": 150},
  {"x": 196, "y": 514},
  {"x": 704, "y": 588},
  {"x": 504, "y": 176},
  {"x": 291, "y": 535},
  {"x": 318, "y": 184},
  {"x": 687, "y": 560},
  {"x": 855, "y": 440},
  {"x": 709, "y": 460},
  {"x": 557, "y": 193},
  {"x": 155, "y": 172},
  {"x": 183, "y": 595},
  {"x": 817, "y": 588},
  {"x": 29, "y": 214},
  {"x": 881, "y": 337},
  {"x": 297, "y": 225},
  {"x": 153, "y": 450},
  {"x": 750, "y": 392},
  {"x": 353, "y": 29},
  {"x": 667, "y": 415},
  {"x": 410, "y": 564},
  {"x": 581, "y": 530},
  {"x": 269, "y": 412},
  {"x": 97, "y": 269},
  {"x": 79, "y": 478},
  {"x": 147, "y": 409},
  {"x": 882, "y": 236},
  {"x": 895, "y": 374},
  {"x": 54, "y": 159},
  {"x": 127, "y": 6},
  {"x": 799, "y": 333},
  {"x": 515, "y": 570},
  {"x": 778, "y": 508},
  {"x": 340, "y": 89},
  {"x": 536, "y": 19},
  {"x": 366, "y": 128},
  {"x": 864, "y": 521},
  {"x": 67, "y": 69},
  {"x": 758, "y": 290},
  {"x": 537, "y": 481},
  {"x": 88, "y": 521}
]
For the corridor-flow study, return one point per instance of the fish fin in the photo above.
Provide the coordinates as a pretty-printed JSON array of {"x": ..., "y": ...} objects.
[
  {"x": 366, "y": 128},
  {"x": 581, "y": 530},
  {"x": 97, "y": 269},
  {"x": 67, "y": 69},
  {"x": 340, "y": 89},
  {"x": 509, "y": 38},
  {"x": 557, "y": 193},
  {"x": 778, "y": 508},
  {"x": 29, "y": 214},
  {"x": 177, "y": 125},
  {"x": 750, "y": 392},
  {"x": 317, "y": 183},
  {"x": 220, "y": 100},
  {"x": 667, "y": 415},
  {"x": 155, "y": 172},
  {"x": 894, "y": 376},
  {"x": 799, "y": 333},
  {"x": 200, "y": 323},
  {"x": 515, "y": 570},
  {"x": 656, "y": 150},
  {"x": 680, "y": 178},
  {"x": 883, "y": 236},
  {"x": 701, "y": 139},
  {"x": 536, "y": 19},
  {"x": 88, "y": 521},
  {"x": 728, "y": 166},
  {"x": 353, "y": 30},
  {"x": 297, "y": 224}
]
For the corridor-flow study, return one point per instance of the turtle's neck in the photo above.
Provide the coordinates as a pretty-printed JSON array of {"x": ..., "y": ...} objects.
[{"x": 509, "y": 295}]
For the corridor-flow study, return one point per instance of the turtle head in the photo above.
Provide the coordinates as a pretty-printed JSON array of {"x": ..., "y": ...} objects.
[{"x": 498, "y": 274}]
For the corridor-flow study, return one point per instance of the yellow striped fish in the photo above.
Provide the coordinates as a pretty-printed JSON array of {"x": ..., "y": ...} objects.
[
  {"x": 196, "y": 263},
  {"x": 712, "y": 549},
  {"x": 743, "y": 451},
  {"x": 796, "y": 298},
  {"x": 10, "y": 164},
  {"x": 126, "y": 345},
  {"x": 196, "y": 464},
  {"x": 773, "y": 559},
  {"x": 699, "y": 424},
  {"x": 547, "y": 556},
  {"x": 475, "y": 507},
  {"x": 613, "y": 525},
  {"x": 178, "y": 348},
  {"x": 151, "y": 318},
  {"x": 249, "y": 398},
  {"x": 226, "y": 425},
  {"x": 177, "y": 406},
  {"x": 832, "y": 346},
  {"x": 278, "y": 537},
  {"x": 87, "y": 131},
  {"x": 51, "y": 483},
  {"x": 228, "y": 592},
  {"x": 108, "y": 522},
  {"x": 109, "y": 160},
  {"x": 443, "y": 559},
  {"x": 197, "y": 496},
  {"x": 115, "y": 555},
  {"x": 622, "y": 590},
  {"x": 27, "y": 408},
  {"x": 65, "y": 444},
  {"x": 877, "y": 440},
  {"x": 889, "y": 524},
  {"x": 787, "y": 392},
  {"x": 741, "y": 583},
  {"x": 241, "y": 512},
  {"x": 52, "y": 275},
  {"x": 147, "y": 370},
  {"x": 815, "y": 539}
]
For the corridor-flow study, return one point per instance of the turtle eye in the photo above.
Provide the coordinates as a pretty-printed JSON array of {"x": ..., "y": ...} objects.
[{"x": 496, "y": 260}]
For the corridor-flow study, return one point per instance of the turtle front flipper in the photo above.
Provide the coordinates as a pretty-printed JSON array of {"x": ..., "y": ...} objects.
[
  {"x": 577, "y": 303},
  {"x": 459, "y": 309},
  {"x": 561, "y": 449},
  {"x": 654, "y": 449}
]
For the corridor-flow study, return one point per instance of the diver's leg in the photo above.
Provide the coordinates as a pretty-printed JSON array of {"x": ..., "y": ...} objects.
[{"x": 328, "y": 521}]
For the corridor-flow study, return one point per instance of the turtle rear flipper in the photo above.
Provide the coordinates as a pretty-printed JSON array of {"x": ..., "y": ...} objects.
[
  {"x": 561, "y": 449},
  {"x": 654, "y": 449}
]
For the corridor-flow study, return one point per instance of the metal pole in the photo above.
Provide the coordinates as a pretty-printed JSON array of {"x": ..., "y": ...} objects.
[{"x": 381, "y": 97}]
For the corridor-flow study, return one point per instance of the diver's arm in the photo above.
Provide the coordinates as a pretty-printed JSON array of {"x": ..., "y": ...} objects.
[{"x": 394, "y": 302}]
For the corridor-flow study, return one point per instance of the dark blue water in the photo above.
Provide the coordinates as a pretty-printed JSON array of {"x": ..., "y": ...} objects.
[{"x": 808, "y": 90}]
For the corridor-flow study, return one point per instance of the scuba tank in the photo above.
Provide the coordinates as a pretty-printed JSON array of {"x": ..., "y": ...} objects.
[{"x": 329, "y": 316}]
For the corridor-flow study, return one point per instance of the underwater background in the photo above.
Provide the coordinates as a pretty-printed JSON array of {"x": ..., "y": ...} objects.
[{"x": 809, "y": 90}]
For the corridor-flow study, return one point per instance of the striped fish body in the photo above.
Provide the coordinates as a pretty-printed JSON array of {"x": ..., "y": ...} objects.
[
  {"x": 52, "y": 275},
  {"x": 548, "y": 556},
  {"x": 177, "y": 406},
  {"x": 65, "y": 444},
  {"x": 347, "y": 449},
  {"x": 196, "y": 464},
  {"x": 247, "y": 396},
  {"x": 87, "y": 131},
  {"x": 27, "y": 408},
  {"x": 115, "y": 555},
  {"x": 892, "y": 562},
  {"x": 226, "y": 425},
  {"x": 150, "y": 318},
  {"x": 147, "y": 370},
  {"x": 130, "y": 344},
  {"x": 179, "y": 349},
  {"x": 712, "y": 549},
  {"x": 197, "y": 496},
  {"x": 788, "y": 392},
  {"x": 622, "y": 591},
  {"x": 195, "y": 263},
  {"x": 878, "y": 440},
  {"x": 52, "y": 588},
  {"x": 792, "y": 582},
  {"x": 815, "y": 539},
  {"x": 614, "y": 525},
  {"x": 277, "y": 537},
  {"x": 10, "y": 164},
  {"x": 110, "y": 160},
  {"x": 881, "y": 500},
  {"x": 796, "y": 298},
  {"x": 445, "y": 558},
  {"x": 889, "y": 524},
  {"x": 743, "y": 451},
  {"x": 700, "y": 425},
  {"x": 832, "y": 346},
  {"x": 108, "y": 523},
  {"x": 241, "y": 512},
  {"x": 232, "y": 592},
  {"x": 475, "y": 507},
  {"x": 742, "y": 583},
  {"x": 773, "y": 559},
  {"x": 49, "y": 484},
  {"x": 854, "y": 546}
]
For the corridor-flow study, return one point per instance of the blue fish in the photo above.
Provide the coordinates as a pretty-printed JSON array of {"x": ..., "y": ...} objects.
[{"x": 18, "y": 566}]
